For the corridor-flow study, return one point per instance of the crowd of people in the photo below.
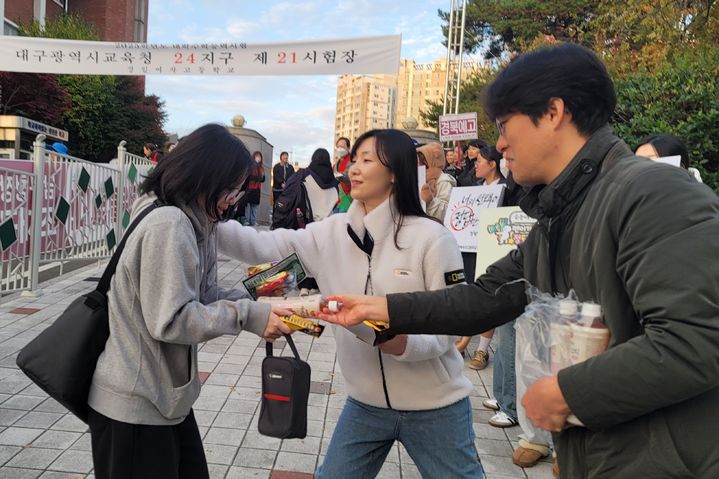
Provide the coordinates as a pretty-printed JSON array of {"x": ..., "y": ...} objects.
[{"x": 634, "y": 236}]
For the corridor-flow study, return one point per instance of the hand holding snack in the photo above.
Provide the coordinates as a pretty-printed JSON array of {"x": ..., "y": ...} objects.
[{"x": 275, "y": 326}]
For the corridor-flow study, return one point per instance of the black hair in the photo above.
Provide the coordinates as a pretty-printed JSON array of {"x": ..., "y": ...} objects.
[
  {"x": 150, "y": 146},
  {"x": 257, "y": 152},
  {"x": 347, "y": 141},
  {"x": 321, "y": 165},
  {"x": 397, "y": 153},
  {"x": 285, "y": 153},
  {"x": 668, "y": 145},
  {"x": 490, "y": 153},
  {"x": 567, "y": 71},
  {"x": 207, "y": 163}
]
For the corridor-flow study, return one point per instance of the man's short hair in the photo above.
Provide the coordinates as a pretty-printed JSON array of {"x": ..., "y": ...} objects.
[
  {"x": 567, "y": 71},
  {"x": 284, "y": 153}
]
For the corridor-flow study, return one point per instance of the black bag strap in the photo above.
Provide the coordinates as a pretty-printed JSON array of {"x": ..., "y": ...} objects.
[
  {"x": 103, "y": 286},
  {"x": 268, "y": 346}
]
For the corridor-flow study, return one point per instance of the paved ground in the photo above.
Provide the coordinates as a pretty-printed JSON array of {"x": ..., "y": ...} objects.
[{"x": 39, "y": 438}]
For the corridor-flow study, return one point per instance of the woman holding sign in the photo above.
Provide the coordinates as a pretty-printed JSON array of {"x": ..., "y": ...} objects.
[{"x": 411, "y": 388}]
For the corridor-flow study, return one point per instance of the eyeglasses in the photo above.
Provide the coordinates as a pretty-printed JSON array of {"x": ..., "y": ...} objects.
[
  {"x": 500, "y": 125},
  {"x": 235, "y": 195}
]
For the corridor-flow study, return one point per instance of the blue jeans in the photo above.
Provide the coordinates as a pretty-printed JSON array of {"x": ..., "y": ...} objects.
[
  {"x": 504, "y": 377},
  {"x": 251, "y": 214},
  {"x": 439, "y": 441}
]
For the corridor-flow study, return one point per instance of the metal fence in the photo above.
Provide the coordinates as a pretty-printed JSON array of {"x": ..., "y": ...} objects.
[{"x": 83, "y": 209}]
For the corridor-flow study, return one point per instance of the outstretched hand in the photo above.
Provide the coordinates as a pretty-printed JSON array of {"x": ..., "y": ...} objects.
[{"x": 355, "y": 309}]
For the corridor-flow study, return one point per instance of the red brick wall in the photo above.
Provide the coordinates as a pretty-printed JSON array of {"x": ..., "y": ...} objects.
[
  {"x": 52, "y": 9},
  {"x": 114, "y": 19},
  {"x": 19, "y": 11}
]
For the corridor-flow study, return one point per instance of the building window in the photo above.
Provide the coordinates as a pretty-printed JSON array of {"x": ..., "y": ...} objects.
[
  {"x": 9, "y": 28},
  {"x": 140, "y": 23}
]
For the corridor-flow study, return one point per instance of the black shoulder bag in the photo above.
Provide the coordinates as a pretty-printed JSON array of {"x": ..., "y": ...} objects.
[
  {"x": 61, "y": 360},
  {"x": 285, "y": 392}
]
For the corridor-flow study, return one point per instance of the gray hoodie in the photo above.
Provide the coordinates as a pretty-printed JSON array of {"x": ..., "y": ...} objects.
[{"x": 163, "y": 301}]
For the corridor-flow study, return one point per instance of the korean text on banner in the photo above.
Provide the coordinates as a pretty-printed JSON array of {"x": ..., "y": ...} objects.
[
  {"x": 500, "y": 231},
  {"x": 458, "y": 127},
  {"x": 378, "y": 54},
  {"x": 466, "y": 205}
]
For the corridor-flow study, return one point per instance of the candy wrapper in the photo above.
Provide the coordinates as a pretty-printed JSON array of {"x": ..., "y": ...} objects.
[
  {"x": 279, "y": 279},
  {"x": 303, "y": 325}
]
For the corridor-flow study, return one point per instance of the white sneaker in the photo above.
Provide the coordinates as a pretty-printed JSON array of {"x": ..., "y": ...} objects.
[
  {"x": 501, "y": 419},
  {"x": 492, "y": 404}
]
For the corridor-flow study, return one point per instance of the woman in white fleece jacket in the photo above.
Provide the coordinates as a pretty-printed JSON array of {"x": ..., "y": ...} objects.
[{"x": 411, "y": 388}]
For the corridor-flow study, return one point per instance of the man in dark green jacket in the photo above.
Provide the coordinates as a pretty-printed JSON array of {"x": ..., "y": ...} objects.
[{"x": 638, "y": 237}]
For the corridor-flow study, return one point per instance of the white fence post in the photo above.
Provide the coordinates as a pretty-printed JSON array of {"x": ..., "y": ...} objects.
[
  {"x": 38, "y": 197},
  {"x": 121, "y": 188}
]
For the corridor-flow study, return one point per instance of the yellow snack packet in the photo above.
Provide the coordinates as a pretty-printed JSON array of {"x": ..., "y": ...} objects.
[{"x": 303, "y": 325}]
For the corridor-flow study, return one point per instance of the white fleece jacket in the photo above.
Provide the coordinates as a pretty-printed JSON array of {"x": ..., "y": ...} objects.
[{"x": 429, "y": 373}]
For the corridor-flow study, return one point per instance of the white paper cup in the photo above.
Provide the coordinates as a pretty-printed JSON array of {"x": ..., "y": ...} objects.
[
  {"x": 587, "y": 342},
  {"x": 560, "y": 348}
]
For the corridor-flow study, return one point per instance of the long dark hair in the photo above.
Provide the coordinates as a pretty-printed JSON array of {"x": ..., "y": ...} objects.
[
  {"x": 206, "y": 164},
  {"x": 397, "y": 153},
  {"x": 321, "y": 166},
  {"x": 668, "y": 145}
]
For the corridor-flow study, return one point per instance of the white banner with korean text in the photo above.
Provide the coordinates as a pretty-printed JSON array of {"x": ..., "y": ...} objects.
[
  {"x": 365, "y": 55},
  {"x": 462, "y": 126}
]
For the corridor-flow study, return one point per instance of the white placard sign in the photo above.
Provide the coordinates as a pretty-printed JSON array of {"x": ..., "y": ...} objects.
[
  {"x": 421, "y": 180},
  {"x": 458, "y": 127},
  {"x": 378, "y": 54},
  {"x": 500, "y": 231},
  {"x": 670, "y": 160},
  {"x": 463, "y": 211}
]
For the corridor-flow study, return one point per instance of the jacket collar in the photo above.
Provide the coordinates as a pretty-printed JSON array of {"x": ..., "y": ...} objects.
[
  {"x": 379, "y": 223},
  {"x": 548, "y": 201}
]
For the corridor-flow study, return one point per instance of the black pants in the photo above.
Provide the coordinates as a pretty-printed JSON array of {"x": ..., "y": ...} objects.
[{"x": 131, "y": 451}]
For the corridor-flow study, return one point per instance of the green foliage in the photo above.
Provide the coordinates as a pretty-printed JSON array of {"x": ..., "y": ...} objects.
[
  {"x": 511, "y": 25},
  {"x": 105, "y": 109},
  {"x": 68, "y": 27},
  {"x": 680, "y": 98}
]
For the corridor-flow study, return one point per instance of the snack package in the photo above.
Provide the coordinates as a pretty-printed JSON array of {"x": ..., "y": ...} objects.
[
  {"x": 253, "y": 270},
  {"x": 280, "y": 279},
  {"x": 303, "y": 325}
]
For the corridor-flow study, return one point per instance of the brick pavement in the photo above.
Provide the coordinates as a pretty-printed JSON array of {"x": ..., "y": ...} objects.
[{"x": 39, "y": 438}]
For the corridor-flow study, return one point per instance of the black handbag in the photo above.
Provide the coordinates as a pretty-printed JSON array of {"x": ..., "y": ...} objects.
[
  {"x": 285, "y": 391},
  {"x": 61, "y": 360}
]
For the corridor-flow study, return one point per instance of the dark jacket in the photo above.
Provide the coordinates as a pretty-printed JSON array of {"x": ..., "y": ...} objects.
[
  {"x": 280, "y": 174},
  {"x": 254, "y": 185},
  {"x": 454, "y": 172},
  {"x": 468, "y": 177},
  {"x": 641, "y": 239}
]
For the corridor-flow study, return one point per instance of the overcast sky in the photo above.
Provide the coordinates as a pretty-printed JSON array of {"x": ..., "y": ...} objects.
[{"x": 294, "y": 113}]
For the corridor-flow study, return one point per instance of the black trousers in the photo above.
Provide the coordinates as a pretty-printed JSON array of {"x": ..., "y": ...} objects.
[{"x": 132, "y": 451}]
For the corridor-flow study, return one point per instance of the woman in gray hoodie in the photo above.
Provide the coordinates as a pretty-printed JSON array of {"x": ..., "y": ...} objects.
[{"x": 163, "y": 301}]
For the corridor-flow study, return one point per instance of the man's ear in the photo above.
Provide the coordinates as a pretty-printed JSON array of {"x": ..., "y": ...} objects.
[{"x": 557, "y": 112}]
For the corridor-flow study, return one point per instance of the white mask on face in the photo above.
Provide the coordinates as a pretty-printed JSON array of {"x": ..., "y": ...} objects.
[
  {"x": 341, "y": 151},
  {"x": 258, "y": 159},
  {"x": 503, "y": 167}
]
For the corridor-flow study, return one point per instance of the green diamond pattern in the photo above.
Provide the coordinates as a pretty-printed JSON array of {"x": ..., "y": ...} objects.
[
  {"x": 125, "y": 219},
  {"x": 98, "y": 201},
  {"x": 7, "y": 234},
  {"x": 62, "y": 210},
  {"x": 132, "y": 173},
  {"x": 109, "y": 188},
  {"x": 84, "y": 181},
  {"x": 111, "y": 241}
]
